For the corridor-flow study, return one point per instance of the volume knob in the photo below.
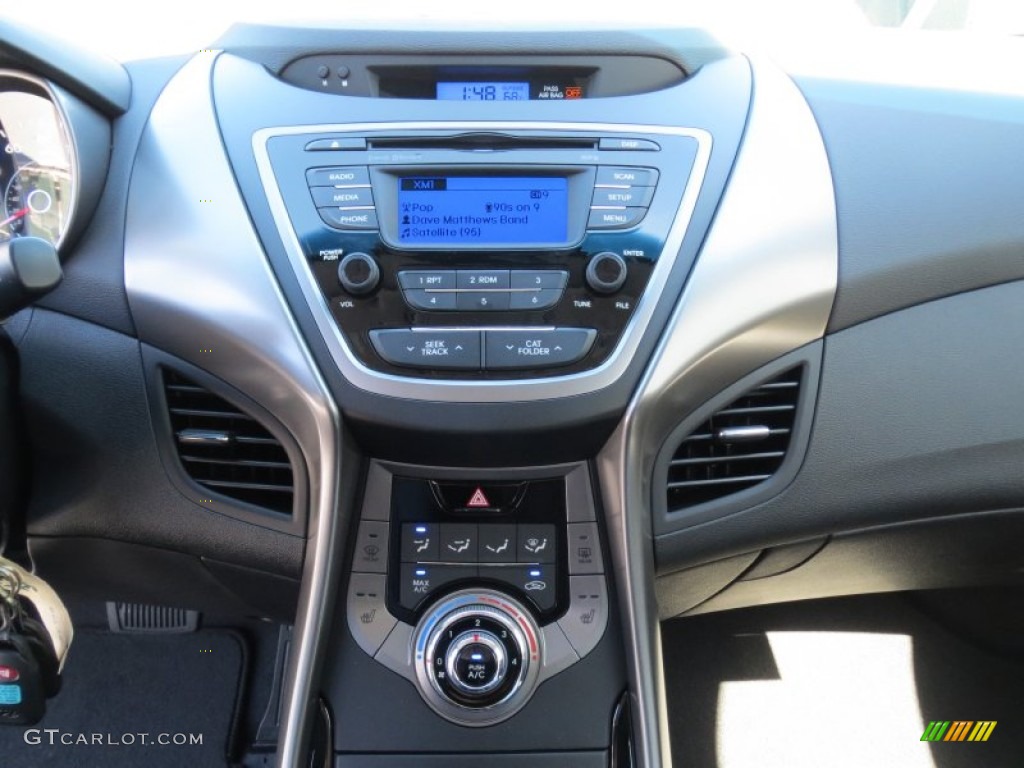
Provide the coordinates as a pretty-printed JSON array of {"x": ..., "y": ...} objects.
[
  {"x": 358, "y": 273},
  {"x": 606, "y": 272}
]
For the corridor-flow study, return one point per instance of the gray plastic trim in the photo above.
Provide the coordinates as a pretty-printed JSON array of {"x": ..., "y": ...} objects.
[
  {"x": 199, "y": 287},
  {"x": 763, "y": 285},
  {"x": 545, "y": 388}
]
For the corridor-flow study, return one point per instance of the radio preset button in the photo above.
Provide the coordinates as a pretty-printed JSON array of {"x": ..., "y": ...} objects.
[
  {"x": 339, "y": 218},
  {"x": 615, "y": 219},
  {"x": 431, "y": 301},
  {"x": 482, "y": 301},
  {"x": 541, "y": 280},
  {"x": 342, "y": 197},
  {"x": 610, "y": 175},
  {"x": 534, "y": 299},
  {"x": 529, "y": 349},
  {"x": 428, "y": 349},
  {"x": 483, "y": 279},
  {"x": 435, "y": 279},
  {"x": 633, "y": 196},
  {"x": 341, "y": 176}
]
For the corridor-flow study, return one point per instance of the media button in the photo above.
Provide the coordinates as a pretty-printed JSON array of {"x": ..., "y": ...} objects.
[{"x": 354, "y": 197}]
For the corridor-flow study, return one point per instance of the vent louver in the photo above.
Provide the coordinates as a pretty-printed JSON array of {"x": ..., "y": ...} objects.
[
  {"x": 225, "y": 449},
  {"x": 740, "y": 446}
]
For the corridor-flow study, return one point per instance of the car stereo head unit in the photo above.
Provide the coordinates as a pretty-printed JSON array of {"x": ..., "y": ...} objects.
[{"x": 482, "y": 256}]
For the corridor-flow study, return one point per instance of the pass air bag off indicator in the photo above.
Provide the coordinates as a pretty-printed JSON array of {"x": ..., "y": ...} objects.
[{"x": 483, "y": 210}]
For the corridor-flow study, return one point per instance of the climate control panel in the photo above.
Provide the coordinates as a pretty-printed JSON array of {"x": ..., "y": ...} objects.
[{"x": 477, "y": 588}]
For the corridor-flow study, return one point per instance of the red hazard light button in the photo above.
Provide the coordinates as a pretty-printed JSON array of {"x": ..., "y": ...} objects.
[{"x": 9, "y": 674}]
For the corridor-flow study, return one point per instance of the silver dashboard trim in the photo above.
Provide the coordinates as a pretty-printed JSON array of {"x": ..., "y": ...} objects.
[
  {"x": 66, "y": 131},
  {"x": 543, "y": 388},
  {"x": 198, "y": 279},
  {"x": 763, "y": 285}
]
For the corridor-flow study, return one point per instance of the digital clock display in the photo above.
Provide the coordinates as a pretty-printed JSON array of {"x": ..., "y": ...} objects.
[{"x": 476, "y": 91}]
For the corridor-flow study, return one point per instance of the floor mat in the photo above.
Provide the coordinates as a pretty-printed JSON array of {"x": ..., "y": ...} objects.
[
  {"x": 836, "y": 684},
  {"x": 137, "y": 700}
]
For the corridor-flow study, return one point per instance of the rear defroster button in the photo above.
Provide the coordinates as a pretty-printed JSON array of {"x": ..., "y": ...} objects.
[{"x": 530, "y": 349}]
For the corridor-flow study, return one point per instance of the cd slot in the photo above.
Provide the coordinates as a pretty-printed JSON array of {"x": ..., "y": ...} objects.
[{"x": 476, "y": 142}]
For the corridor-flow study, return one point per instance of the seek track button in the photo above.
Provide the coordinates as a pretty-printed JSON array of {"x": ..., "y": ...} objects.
[{"x": 428, "y": 349}]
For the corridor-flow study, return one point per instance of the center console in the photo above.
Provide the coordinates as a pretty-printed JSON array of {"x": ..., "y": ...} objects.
[{"x": 477, "y": 588}]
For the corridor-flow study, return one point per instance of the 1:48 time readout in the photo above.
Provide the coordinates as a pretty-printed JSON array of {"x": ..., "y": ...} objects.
[
  {"x": 490, "y": 211},
  {"x": 476, "y": 91}
]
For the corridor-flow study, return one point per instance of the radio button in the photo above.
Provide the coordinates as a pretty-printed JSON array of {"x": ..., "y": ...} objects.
[
  {"x": 609, "y": 175},
  {"x": 339, "y": 218},
  {"x": 483, "y": 279},
  {"x": 431, "y": 301},
  {"x": 548, "y": 279},
  {"x": 342, "y": 176},
  {"x": 530, "y": 349},
  {"x": 631, "y": 196},
  {"x": 482, "y": 301},
  {"x": 428, "y": 349},
  {"x": 534, "y": 299},
  {"x": 342, "y": 197},
  {"x": 440, "y": 278},
  {"x": 621, "y": 219}
]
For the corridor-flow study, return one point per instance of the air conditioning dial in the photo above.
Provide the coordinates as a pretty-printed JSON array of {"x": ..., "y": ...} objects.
[{"x": 478, "y": 654}]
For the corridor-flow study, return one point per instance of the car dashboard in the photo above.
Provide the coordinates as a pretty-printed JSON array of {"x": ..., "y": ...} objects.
[{"x": 474, "y": 356}]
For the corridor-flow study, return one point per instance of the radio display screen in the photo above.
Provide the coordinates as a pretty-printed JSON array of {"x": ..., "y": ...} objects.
[
  {"x": 483, "y": 91},
  {"x": 491, "y": 211}
]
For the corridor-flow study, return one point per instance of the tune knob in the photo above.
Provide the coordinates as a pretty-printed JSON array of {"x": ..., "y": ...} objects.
[
  {"x": 358, "y": 273},
  {"x": 606, "y": 272},
  {"x": 478, "y": 657}
]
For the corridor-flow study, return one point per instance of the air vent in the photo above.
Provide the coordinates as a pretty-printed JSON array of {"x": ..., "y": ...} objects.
[
  {"x": 739, "y": 447},
  {"x": 225, "y": 449}
]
